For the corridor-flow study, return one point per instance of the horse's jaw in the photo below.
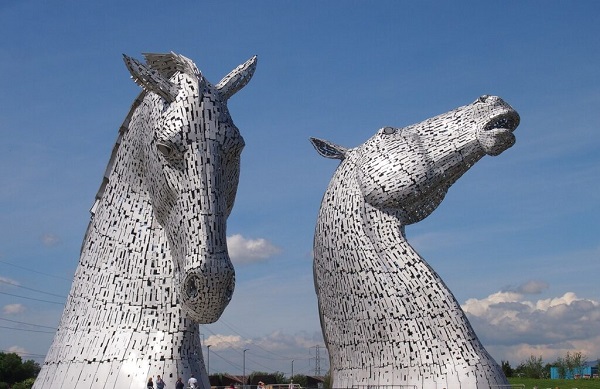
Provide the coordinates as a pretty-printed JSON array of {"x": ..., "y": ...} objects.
[{"x": 496, "y": 132}]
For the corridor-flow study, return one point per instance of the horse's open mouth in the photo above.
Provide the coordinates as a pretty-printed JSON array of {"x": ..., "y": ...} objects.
[
  {"x": 508, "y": 120},
  {"x": 497, "y": 135}
]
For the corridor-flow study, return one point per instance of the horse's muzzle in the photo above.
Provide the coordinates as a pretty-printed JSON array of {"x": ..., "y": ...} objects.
[{"x": 205, "y": 295}]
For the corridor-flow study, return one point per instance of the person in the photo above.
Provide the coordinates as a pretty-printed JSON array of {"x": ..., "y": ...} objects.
[
  {"x": 193, "y": 382},
  {"x": 261, "y": 385},
  {"x": 160, "y": 384},
  {"x": 179, "y": 384},
  {"x": 150, "y": 384}
]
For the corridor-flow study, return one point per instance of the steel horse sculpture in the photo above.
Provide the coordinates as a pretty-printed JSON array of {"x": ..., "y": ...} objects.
[
  {"x": 154, "y": 260},
  {"x": 387, "y": 317}
]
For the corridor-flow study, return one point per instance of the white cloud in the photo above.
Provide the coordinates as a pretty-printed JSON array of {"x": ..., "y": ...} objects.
[
  {"x": 271, "y": 352},
  {"x": 50, "y": 240},
  {"x": 5, "y": 281},
  {"x": 532, "y": 287},
  {"x": 242, "y": 250},
  {"x": 17, "y": 350},
  {"x": 12, "y": 309},
  {"x": 513, "y": 328},
  {"x": 280, "y": 341},
  {"x": 274, "y": 341},
  {"x": 224, "y": 342}
]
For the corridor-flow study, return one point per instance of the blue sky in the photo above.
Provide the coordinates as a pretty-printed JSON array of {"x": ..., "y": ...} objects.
[{"x": 516, "y": 239}]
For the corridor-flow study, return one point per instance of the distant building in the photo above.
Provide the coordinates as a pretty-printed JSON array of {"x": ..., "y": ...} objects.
[
  {"x": 225, "y": 380},
  {"x": 315, "y": 381},
  {"x": 590, "y": 370}
]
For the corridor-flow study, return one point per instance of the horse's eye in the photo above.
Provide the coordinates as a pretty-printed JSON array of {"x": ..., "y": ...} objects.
[
  {"x": 389, "y": 130},
  {"x": 166, "y": 150}
]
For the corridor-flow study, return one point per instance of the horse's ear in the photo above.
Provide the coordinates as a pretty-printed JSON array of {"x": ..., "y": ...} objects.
[
  {"x": 150, "y": 79},
  {"x": 237, "y": 78},
  {"x": 328, "y": 149}
]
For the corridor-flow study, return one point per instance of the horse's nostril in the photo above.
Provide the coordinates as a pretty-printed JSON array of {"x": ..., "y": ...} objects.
[{"x": 191, "y": 287}]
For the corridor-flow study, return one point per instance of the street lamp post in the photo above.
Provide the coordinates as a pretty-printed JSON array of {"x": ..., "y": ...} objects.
[
  {"x": 292, "y": 376},
  {"x": 244, "y": 368},
  {"x": 208, "y": 361}
]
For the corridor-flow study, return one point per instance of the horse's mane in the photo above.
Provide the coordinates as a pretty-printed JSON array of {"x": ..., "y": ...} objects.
[{"x": 167, "y": 65}]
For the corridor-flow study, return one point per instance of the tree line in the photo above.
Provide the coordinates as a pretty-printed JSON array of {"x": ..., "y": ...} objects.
[
  {"x": 534, "y": 367},
  {"x": 274, "y": 378},
  {"x": 16, "y": 373}
]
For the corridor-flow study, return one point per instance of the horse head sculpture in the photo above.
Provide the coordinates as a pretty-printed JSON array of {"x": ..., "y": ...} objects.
[
  {"x": 387, "y": 317},
  {"x": 190, "y": 150},
  {"x": 154, "y": 260}
]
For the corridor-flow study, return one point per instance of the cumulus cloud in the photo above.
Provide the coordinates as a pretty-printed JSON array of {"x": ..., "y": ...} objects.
[
  {"x": 50, "y": 240},
  {"x": 271, "y": 352},
  {"x": 513, "y": 327},
  {"x": 275, "y": 341},
  {"x": 279, "y": 340},
  {"x": 5, "y": 282},
  {"x": 532, "y": 287},
  {"x": 17, "y": 350},
  {"x": 243, "y": 250},
  {"x": 224, "y": 342},
  {"x": 12, "y": 309}
]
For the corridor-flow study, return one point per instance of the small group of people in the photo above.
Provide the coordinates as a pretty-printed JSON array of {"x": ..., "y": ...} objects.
[
  {"x": 192, "y": 384},
  {"x": 160, "y": 384}
]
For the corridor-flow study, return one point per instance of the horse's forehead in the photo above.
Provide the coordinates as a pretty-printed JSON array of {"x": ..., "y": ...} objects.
[{"x": 197, "y": 115}]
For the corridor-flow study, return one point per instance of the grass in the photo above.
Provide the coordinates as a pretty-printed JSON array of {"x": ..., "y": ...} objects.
[{"x": 552, "y": 384}]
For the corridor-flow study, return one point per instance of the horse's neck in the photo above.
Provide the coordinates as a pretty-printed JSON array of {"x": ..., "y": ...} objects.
[
  {"x": 379, "y": 239},
  {"x": 386, "y": 234},
  {"x": 378, "y": 228},
  {"x": 123, "y": 237},
  {"x": 373, "y": 288},
  {"x": 123, "y": 217},
  {"x": 122, "y": 203}
]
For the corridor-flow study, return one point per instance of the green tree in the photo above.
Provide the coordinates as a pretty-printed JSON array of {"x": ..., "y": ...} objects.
[
  {"x": 13, "y": 369},
  {"x": 279, "y": 378},
  {"x": 27, "y": 384},
  {"x": 561, "y": 367},
  {"x": 576, "y": 362},
  {"x": 570, "y": 364},
  {"x": 532, "y": 367},
  {"x": 10, "y": 366},
  {"x": 547, "y": 367},
  {"x": 268, "y": 378},
  {"x": 256, "y": 376},
  {"x": 506, "y": 369},
  {"x": 299, "y": 379},
  {"x": 29, "y": 369},
  {"x": 327, "y": 381}
]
